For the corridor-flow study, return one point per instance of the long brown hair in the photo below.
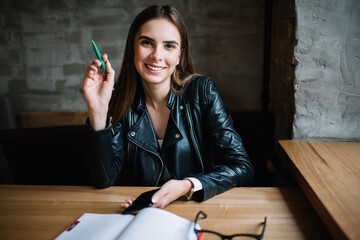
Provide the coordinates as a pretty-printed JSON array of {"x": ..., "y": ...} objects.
[{"x": 129, "y": 79}]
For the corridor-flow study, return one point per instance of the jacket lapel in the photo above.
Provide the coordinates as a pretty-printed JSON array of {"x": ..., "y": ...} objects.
[
  {"x": 172, "y": 134},
  {"x": 143, "y": 135}
]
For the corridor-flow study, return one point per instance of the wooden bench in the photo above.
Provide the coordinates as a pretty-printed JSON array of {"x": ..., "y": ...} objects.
[{"x": 329, "y": 174}]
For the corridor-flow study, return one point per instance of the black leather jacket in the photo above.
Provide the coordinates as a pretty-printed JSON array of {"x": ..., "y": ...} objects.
[{"x": 200, "y": 141}]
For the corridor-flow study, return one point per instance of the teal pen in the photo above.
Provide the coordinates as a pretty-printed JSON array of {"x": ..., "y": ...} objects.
[{"x": 98, "y": 55}]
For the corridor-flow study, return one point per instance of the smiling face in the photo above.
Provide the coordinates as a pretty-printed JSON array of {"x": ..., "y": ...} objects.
[{"x": 157, "y": 49}]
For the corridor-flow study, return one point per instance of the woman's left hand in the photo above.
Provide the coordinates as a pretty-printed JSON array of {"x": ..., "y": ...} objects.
[{"x": 170, "y": 191}]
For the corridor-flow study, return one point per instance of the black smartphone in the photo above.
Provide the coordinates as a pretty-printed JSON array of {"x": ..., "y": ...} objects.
[{"x": 142, "y": 201}]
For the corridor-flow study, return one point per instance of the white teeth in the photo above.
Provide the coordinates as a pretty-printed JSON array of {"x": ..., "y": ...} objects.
[{"x": 154, "y": 68}]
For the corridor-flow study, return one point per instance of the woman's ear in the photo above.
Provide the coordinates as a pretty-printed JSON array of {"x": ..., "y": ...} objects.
[{"x": 179, "y": 58}]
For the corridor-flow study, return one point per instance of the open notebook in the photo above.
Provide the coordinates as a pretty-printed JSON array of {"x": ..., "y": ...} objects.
[{"x": 149, "y": 223}]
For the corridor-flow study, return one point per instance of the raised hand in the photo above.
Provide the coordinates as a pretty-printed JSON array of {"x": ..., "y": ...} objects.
[{"x": 98, "y": 91}]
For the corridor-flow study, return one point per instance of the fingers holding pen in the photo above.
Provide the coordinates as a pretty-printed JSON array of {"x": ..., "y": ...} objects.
[
  {"x": 93, "y": 68},
  {"x": 96, "y": 63},
  {"x": 91, "y": 72}
]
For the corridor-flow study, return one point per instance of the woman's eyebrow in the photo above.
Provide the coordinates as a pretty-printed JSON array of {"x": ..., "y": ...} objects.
[
  {"x": 147, "y": 38},
  {"x": 172, "y": 42},
  {"x": 153, "y": 40}
]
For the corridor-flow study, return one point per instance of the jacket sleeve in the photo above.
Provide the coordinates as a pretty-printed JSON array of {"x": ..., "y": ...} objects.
[
  {"x": 107, "y": 155},
  {"x": 231, "y": 167}
]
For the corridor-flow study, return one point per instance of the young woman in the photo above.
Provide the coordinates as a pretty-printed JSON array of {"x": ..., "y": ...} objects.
[{"x": 161, "y": 124}]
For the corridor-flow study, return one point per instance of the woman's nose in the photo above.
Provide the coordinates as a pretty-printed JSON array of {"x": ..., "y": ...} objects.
[{"x": 157, "y": 54}]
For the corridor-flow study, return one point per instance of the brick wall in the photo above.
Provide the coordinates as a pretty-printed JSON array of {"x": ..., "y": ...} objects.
[{"x": 45, "y": 47}]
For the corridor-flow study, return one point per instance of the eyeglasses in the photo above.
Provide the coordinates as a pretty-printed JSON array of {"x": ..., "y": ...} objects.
[{"x": 211, "y": 235}]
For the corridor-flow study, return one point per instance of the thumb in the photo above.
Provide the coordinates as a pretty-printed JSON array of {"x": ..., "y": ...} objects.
[
  {"x": 110, "y": 71},
  {"x": 158, "y": 195}
]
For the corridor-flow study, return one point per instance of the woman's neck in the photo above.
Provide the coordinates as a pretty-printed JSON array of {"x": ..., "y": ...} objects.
[{"x": 156, "y": 95}]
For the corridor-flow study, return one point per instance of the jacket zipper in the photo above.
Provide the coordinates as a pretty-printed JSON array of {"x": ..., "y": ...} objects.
[
  {"x": 162, "y": 163},
  {"x": 193, "y": 136}
]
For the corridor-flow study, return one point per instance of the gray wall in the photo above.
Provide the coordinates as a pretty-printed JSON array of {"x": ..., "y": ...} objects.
[
  {"x": 45, "y": 47},
  {"x": 327, "y": 76}
]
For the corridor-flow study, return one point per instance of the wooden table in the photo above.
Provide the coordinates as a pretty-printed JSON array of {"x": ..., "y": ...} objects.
[
  {"x": 42, "y": 212},
  {"x": 329, "y": 174}
]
